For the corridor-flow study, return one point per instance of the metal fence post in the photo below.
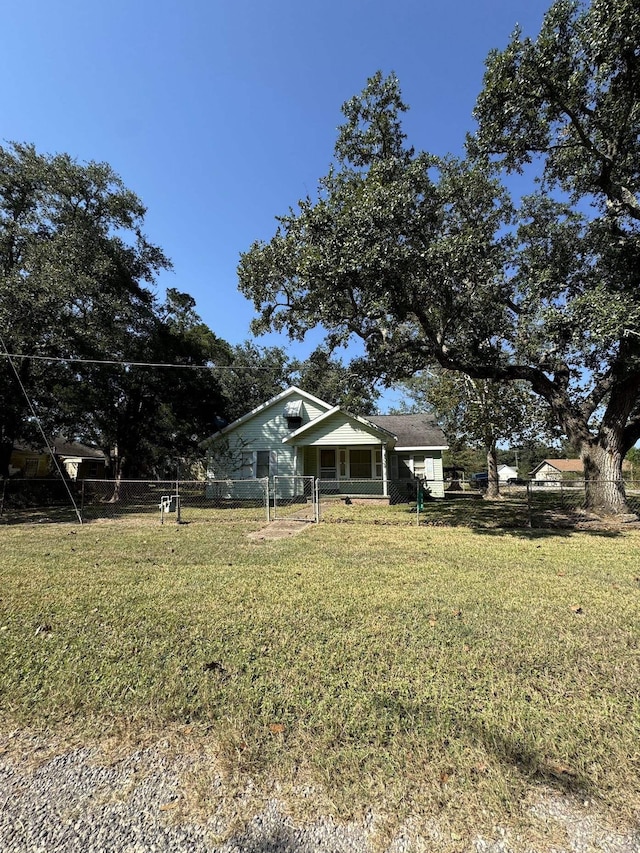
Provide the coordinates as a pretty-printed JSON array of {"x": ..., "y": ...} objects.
[
  {"x": 275, "y": 498},
  {"x": 529, "y": 503},
  {"x": 268, "y": 499}
]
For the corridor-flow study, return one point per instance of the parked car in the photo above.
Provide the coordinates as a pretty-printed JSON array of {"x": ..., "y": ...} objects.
[{"x": 479, "y": 480}]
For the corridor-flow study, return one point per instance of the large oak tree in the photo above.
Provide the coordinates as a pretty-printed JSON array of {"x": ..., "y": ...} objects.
[
  {"x": 427, "y": 260},
  {"x": 74, "y": 270}
]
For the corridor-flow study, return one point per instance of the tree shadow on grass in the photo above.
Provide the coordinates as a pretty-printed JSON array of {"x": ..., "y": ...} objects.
[
  {"x": 533, "y": 533},
  {"x": 511, "y": 516},
  {"x": 531, "y": 764}
]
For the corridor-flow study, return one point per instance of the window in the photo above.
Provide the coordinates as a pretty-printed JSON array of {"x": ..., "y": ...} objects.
[
  {"x": 246, "y": 465},
  {"x": 360, "y": 464},
  {"x": 262, "y": 463},
  {"x": 92, "y": 469},
  {"x": 31, "y": 468},
  {"x": 293, "y": 414},
  {"x": 258, "y": 464},
  {"x": 377, "y": 460},
  {"x": 412, "y": 465},
  {"x": 343, "y": 462}
]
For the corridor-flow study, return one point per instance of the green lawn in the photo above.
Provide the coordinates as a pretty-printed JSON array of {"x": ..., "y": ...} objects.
[{"x": 429, "y": 670}]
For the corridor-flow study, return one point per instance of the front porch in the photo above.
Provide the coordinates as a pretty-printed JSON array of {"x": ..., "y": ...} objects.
[{"x": 348, "y": 471}]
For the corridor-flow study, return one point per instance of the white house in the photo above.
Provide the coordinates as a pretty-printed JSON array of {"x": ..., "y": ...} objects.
[
  {"x": 506, "y": 473},
  {"x": 552, "y": 470},
  {"x": 296, "y": 434}
]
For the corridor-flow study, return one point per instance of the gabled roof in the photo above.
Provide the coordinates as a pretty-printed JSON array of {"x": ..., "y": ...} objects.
[
  {"x": 574, "y": 466},
  {"x": 288, "y": 392},
  {"x": 366, "y": 423},
  {"x": 75, "y": 449},
  {"x": 64, "y": 448},
  {"x": 413, "y": 432}
]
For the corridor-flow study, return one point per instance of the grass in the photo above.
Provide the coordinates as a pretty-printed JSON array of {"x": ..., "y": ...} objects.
[{"x": 433, "y": 670}]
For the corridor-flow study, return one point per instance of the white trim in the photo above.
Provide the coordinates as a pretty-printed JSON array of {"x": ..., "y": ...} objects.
[
  {"x": 385, "y": 477},
  {"x": 421, "y": 447}
]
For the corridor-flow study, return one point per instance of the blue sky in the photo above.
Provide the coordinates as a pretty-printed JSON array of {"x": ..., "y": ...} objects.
[{"x": 221, "y": 115}]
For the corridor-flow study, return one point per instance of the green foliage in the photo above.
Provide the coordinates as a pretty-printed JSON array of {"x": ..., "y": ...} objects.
[
  {"x": 338, "y": 384},
  {"x": 151, "y": 420},
  {"x": 427, "y": 260},
  {"x": 478, "y": 412},
  {"x": 259, "y": 373},
  {"x": 633, "y": 457},
  {"x": 474, "y": 411},
  {"x": 73, "y": 268},
  {"x": 571, "y": 97}
]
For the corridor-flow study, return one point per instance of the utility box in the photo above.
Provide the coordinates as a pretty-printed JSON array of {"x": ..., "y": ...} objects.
[{"x": 169, "y": 503}]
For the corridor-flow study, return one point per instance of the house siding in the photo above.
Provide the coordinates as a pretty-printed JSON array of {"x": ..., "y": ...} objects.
[
  {"x": 30, "y": 463},
  {"x": 421, "y": 468},
  {"x": 334, "y": 432},
  {"x": 235, "y": 453},
  {"x": 548, "y": 472},
  {"x": 269, "y": 427},
  {"x": 266, "y": 431}
]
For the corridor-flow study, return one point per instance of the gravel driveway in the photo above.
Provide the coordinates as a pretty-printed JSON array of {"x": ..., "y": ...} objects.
[{"x": 74, "y": 803}]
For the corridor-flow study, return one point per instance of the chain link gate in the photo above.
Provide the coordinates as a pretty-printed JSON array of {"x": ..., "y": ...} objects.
[{"x": 294, "y": 498}]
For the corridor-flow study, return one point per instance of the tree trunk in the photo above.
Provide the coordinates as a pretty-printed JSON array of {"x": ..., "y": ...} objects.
[
  {"x": 604, "y": 486},
  {"x": 118, "y": 467},
  {"x": 493, "y": 484},
  {"x": 6, "y": 449}
]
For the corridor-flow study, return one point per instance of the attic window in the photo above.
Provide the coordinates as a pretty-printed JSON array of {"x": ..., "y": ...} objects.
[{"x": 293, "y": 414}]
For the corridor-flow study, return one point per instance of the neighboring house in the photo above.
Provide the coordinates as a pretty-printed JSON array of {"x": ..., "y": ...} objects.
[
  {"x": 27, "y": 461},
  {"x": 550, "y": 470},
  {"x": 79, "y": 461},
  {"x": 296, "y": 434},
  {"x": 506, "y": 473}
]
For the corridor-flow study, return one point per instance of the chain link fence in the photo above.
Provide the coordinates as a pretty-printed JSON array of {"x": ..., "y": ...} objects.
[
  {"x": 534, "y": 504},
  {"x": 530, "y": 504},
  {"x": 562, "y": 496},
  {"x": 213, "y": 501},
  {"x": 294, "y": 498}
]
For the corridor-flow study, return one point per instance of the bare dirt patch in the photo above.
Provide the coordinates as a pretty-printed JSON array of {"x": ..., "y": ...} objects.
[{"x": 279, "y": 530}]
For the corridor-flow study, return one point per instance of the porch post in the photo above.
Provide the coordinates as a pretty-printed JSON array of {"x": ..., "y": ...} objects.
[{"x": 385, "y": 484}]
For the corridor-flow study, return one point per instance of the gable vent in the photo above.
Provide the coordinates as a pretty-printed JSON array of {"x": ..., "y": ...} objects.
[{"x": 293, "y": 413}]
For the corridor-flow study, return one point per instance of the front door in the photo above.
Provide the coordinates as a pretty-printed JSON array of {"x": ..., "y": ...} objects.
[{"x": 328, "y": 463}]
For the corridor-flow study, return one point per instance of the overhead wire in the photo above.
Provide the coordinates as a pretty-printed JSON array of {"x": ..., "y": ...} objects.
[
  {"x": 42, "y": 432},
  {"x": 126, "y": 363}
]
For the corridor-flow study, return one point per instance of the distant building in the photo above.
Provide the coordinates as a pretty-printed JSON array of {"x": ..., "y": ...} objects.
[
  {"x": 550, "y": 470},
  {"x": 506, "y": 473},
  {"x": 79, "y": 461}
]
